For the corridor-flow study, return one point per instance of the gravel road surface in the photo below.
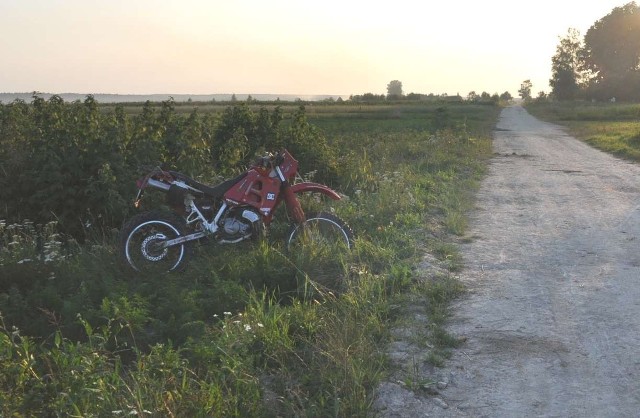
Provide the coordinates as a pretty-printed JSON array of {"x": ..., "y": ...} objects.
[{"x": 552, "y": 314}]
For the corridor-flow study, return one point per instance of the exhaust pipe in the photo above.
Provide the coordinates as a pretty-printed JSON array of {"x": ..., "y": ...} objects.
[{"x": 158, "y": 184}]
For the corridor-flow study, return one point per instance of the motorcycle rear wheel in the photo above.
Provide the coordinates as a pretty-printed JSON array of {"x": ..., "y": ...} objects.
[{"x": 140, "y": 239}]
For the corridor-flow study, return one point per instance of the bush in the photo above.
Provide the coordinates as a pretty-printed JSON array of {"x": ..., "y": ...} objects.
[
  {"x": 71, "y": 163},
  {"x": 245, "y": 330}
]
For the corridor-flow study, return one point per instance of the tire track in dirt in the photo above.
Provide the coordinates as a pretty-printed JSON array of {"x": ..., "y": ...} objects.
[{"x": 552, "y": 315}]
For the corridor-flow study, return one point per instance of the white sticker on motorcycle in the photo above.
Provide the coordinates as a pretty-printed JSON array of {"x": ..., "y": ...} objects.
[{"x": 271, "y": 196}]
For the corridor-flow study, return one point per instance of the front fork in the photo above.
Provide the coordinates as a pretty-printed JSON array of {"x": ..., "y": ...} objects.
[
  {"x": 291, "y": 200},
  {"x": 294, "y": 209}
]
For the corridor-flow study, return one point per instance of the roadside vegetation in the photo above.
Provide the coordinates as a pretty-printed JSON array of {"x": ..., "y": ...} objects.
[
  {"x": 246, "y": 330},
  {"x": 595, "y": 82},
  {"x": 611, "y": 127},
  {"x": 601, "y": 66}
]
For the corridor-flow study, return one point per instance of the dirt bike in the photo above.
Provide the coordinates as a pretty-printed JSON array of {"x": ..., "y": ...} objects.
[{"x": 235, "y": 210}]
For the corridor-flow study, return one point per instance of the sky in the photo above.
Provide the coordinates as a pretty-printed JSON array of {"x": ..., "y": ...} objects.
[{"x": 300, "y": 47}]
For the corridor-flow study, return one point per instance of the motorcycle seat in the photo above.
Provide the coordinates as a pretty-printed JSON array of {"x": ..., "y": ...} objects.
[{"x": 215, "y": 191}]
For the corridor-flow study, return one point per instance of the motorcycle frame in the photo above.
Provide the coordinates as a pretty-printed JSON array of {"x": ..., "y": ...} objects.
[{"x": 287, "y": 192}]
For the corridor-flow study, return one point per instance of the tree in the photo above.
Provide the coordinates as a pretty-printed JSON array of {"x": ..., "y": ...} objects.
[
  {"x": 394, "y": 89},
  {"x": 367, "y": 97},
  {"x": 525, "y": 90},
  {"x": 567, "y": 75},
  {"x": 612, "y": 53},
  {"x": 506, "y": 96}
]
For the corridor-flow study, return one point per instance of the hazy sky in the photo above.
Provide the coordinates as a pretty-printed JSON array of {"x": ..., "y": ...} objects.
[{"x": 284, "y": 46}]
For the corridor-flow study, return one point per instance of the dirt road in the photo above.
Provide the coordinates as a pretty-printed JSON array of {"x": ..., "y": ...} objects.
[{"x": 552, "y": 316}]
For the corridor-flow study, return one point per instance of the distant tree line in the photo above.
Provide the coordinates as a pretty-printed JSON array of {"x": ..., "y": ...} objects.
[
  {"x": 395, "y": 93},
  {"x": 605, "y": 64}
]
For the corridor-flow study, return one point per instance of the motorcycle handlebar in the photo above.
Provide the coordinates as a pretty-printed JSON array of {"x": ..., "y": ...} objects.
[{"x": 270, "y": 160}]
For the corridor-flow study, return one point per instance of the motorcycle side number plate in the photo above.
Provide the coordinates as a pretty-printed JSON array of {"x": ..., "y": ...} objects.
[{"x": 258, "y": 191}]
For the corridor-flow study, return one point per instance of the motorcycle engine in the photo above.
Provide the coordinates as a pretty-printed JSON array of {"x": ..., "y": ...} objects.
[{"x": 240, "y": 224}]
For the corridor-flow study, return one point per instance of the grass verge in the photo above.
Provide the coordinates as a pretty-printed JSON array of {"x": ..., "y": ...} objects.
[
  {"x": 245, "y": 331},
  {"x": 611, "y": 127}
]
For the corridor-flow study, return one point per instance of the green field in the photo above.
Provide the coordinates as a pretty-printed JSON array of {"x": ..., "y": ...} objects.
[{"x": 246, "y": 330}]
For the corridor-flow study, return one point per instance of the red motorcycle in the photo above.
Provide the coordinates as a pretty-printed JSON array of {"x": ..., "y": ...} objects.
[{"x": 235, "y": 210}]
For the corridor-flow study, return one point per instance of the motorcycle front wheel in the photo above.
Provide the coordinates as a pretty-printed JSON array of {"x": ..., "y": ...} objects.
[
  {"x": 321, "y": 229},
  {"x": 141, "y": 239},
  {"x": 320, "y": 247}
]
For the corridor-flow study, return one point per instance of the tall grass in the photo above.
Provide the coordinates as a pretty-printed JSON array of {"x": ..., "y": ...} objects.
[{"x": 248, "y": 330}]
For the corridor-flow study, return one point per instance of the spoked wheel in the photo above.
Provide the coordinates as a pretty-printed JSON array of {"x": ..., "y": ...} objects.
[
  {"x": 321, "y": 229},
  {"x": 142, "y": 239},
  {"x": 319, "y": 247}
]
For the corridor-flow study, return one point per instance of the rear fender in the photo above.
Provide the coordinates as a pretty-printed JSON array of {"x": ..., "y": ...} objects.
[{"x": 315, "y": 188}]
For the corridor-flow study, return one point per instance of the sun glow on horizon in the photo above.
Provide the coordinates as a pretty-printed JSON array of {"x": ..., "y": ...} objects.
[{"x": 283, "y": 46}]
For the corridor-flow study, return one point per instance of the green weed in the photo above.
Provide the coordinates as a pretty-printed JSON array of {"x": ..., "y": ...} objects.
[{"x": 251, "y": 329}]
